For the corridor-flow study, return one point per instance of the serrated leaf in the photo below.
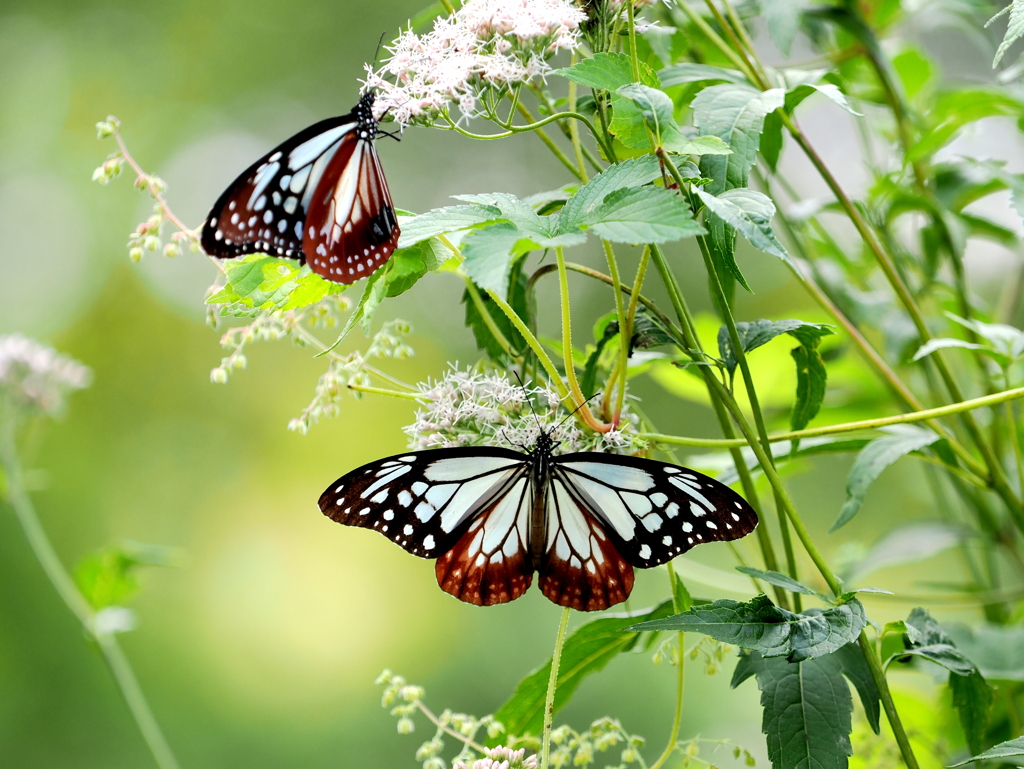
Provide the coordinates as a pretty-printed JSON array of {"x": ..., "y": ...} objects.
[
  {"x": 627, "y": 124},
  {"x": 1014, "y": 31},
  {"x": 734, "y": 113},
  {"x": 643, "y": 215},
  {"x": 443, "y": 220},
  {"x": 855, "y": 668},
  {"x": 749, "y": 213},
  {"x": 658, "y": 110},
  {"x": 761, "y": 626},
  {"x": 934, "y": 644},
  {"x": 485, "y": 339},
  {"x": 488, "y": 255},
  {"x": 407, "y": 265},
  {"x": 1009, "y": 749},
  {"x": 811, "y": 381},
  {"x": 587, "y": 650},
  {"x": 780, "y": 580},
  {"x": 997, "y": 650},
  {"x": 688, "y": 72},
  {"x": 756, "y": 333},
  {"x": 634, "y": 172},
  {"x": 807, "y": 709},
  {"x": 606, "y": 71},
  {"x": 699, "y": 145},
  {"x": 876, "y": 457}
]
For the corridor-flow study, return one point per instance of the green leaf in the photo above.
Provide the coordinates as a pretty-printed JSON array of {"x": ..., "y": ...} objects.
[
  {"x": 997, "y": 650},
  {"x": 658, "y": 110},
  {"x": 643, "y": 215},
  {"x": 954, "y": 109},
  {"x": 634, "y": 172},
  {"x": 587, "y": 650},
  {"x": 627, "y": 123},
  {"x": 941, "y": 343},
  {"x": 443, "y": 220},
  {"x": 934, "y": 644},
  {"x": 807, "y": 708},
  {"x": 699, "y": 145},
  {"x": 876, "y": 457},
  {"x": 761, "y": 626},
  {"x": 680, "y": 74},
  {"x": 648, "y": 332},
  {"x": 1009, "y": 749},
  {"x": 607, "y": 72},
  {"x": 855, "y": 668},
  {"x": 906, "y": 544},
  {"x": 780, "y": 580},
  {"x": 108, "y": 577},
  {"x": 811, "y": 379},
  {"x": 407, "y": 265},
  {"x": 540, "y": 231},
  {"x": 755, "y": 333},
  {"x": 972, "y": 698},
  {"x": 750, "y": 213},
  {"x": 783, "y": 17},
  {"x": 488, "y": 255},
  {"x": 1005, "y": 340},
  {"x": 799, "y": 92},
  {"x": 734, "y": 113}
]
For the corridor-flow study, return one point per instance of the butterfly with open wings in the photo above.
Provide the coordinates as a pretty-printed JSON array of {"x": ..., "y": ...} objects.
[
  {"x": 319, "y": 197},
  {"x": 493, "y": 516}
]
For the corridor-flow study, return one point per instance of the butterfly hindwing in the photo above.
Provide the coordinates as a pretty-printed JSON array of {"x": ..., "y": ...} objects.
[
  {"x": 654, "y": 510},
  {"x": 420, "y": 500},
  {"x": 582, "y": 567},
  {"x": 490, "y": 562}
]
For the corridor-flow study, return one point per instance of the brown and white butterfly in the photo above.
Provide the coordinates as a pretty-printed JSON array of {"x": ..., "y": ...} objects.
[
  {"x": 319, "y": 197},
  {"x": 493, "y": 516}
]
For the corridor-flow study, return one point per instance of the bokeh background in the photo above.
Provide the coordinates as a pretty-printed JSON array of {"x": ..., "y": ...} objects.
[{"x": 260, "y": 649}]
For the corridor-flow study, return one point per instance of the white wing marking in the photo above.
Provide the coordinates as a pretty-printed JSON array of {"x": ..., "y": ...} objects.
[
  {"x": 463, "y": 468},
  {"x": 619, "y": 476},
  {"x": 305, "y": 153}
]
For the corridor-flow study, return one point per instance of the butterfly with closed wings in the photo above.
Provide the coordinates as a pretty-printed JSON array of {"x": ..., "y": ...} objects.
[
  {"x": 493, "y": 516},
  {"x": 319, "y": 197}
]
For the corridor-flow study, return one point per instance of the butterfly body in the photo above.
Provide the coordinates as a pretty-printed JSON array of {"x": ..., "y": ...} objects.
[
  {"x": 493, "y": 516},
  {"x": 319, "y": 197}
]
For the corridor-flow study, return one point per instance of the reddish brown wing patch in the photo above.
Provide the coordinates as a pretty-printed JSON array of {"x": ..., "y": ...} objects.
[
  {"x": 583, "y": 568},
  {"x": 351, "y": 228},
  {"x": 489, "y": 564}
]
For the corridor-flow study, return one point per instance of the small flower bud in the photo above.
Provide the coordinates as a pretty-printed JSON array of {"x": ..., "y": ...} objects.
[
  {"x": 219, "y": 375},
  {"x": 406, "y": 726},
  {"x": 170, "y": 250},
  {"x": 151, "y": 242},
  {"x": 135, "y": 254}
]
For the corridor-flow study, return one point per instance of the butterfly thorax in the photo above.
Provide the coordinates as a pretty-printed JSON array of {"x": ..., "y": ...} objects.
[{"x": 540, "y": 472}]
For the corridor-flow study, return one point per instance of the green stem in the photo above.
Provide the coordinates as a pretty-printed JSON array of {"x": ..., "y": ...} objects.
[
  {"x": 626, "y": 332},
  {"x": 849, "y": 427},
  {"x": 680, "y": 679},
  {"x": 487, "y": 318},
  {"x": 553, "y": 376},
  {"x": 718, "y": 42},
  {"x": 549, "y": 699},
  {"x": 574, "y": 130},
  {"x": 886, "y": 696},
  {"x": 73, "y": 599},
  {"x": 550, "y": 143},
  {"x": 620, "y": 311},
  {"x": 385, "y": 391}
]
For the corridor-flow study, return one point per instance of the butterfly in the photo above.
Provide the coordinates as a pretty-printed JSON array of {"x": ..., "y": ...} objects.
[
  {"x": 319, "y": 197},
  {"x": 493, "y": 516}
]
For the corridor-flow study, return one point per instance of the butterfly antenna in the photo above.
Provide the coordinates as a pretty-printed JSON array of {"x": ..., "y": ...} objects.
[
  {"x": 527, "y": 394},
  {"x": 380, "y": 43},
  {"x": 571, "y": 415}
]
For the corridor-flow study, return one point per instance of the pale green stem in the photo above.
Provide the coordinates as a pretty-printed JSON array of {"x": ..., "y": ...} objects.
[
  {"x": 680, "y": 679},
  {"x": 626, "y": 334},
  {"x": 613, "y": 271},
  {"x": 549, "y": 699},
  {"x": 385, "y": 391},
  {"x": 574, "y": 130},
  {"x": 718, "y": 42},
  {"x": 848, "y": 427},
  {"x": 73, "y": 599},
  {"x": 550, "y": 144},
  {"x": 580, "y": 401},
  {"x": 538, "y": 349},
  {"x": 487, "y": 318},
  {"x": 520, "y": 129}
]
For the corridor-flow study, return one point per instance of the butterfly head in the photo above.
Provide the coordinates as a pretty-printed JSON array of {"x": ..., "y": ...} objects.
[{"x": 545, "y": 443}]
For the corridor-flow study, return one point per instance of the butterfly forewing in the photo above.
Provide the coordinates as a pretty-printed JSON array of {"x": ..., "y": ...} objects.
[
  {"x": 655, "y": 510},
  {"x": 582, "y": 567},
  {"x": 319, "y": 197},
  {"x": 421, "y": 500},
  {"x": 264, "y": 209}
]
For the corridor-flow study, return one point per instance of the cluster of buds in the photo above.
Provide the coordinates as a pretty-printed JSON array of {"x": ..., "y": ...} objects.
[
  {"x": 486, "y": 46},
  {"x": 573, "y": 748},
  {"x": 466, "y": 408},
  {"x": 37, "y": 378}
]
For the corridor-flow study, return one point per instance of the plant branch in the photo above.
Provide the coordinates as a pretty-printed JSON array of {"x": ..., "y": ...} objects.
[{"x": 549, "y": 699}]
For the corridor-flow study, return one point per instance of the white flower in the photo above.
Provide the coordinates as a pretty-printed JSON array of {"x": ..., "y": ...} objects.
[
  {"x": 466, "y": 408},
  {"x": 485, "y": 44},
  {"x": 37, "y": 377},
  {"x": 501, "y": 758}
]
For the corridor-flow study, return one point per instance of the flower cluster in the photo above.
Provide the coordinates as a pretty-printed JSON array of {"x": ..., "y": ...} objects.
[
  {"x": 37, "y": 378},
  {"x": 486, "y": 44},
  {"x": 572, "y": 748},
  {"x": 467, "y": 408},
  {"x": 501, "y": 758}
]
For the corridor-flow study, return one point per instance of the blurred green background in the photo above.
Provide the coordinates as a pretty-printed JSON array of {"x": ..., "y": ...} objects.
[{"x": 261, "y": 649}]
